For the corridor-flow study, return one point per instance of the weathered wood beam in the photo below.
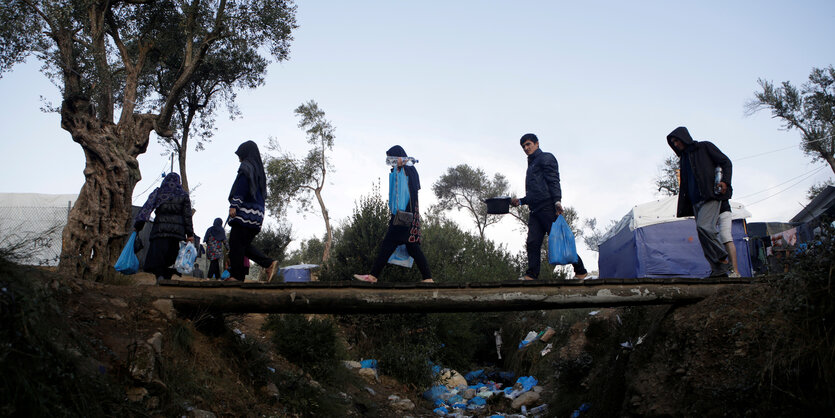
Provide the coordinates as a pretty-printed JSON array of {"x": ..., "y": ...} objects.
[{"x": 349, "y": 300}]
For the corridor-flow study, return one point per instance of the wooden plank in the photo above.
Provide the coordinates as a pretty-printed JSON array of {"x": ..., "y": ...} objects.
[{"x": 441, "y": 298}]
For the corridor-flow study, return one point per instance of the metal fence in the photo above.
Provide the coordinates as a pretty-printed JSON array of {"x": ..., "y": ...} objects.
[{"x": 32, "y": 235}]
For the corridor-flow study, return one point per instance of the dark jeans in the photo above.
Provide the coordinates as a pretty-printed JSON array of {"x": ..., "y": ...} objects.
[
  {"x": 539, "y": 224},
  {"x": 240, "y": 246},
  {"x": 214, "y": 269},
  {"x": 395, "y": 236}
]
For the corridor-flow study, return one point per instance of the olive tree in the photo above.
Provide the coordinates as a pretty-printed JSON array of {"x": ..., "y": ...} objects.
[
  {"x": 301, "y": 179},
  {"x": 104, "y": 56},
  {"x": 810, "y": 109},
  {"x": 465, "y": 188}
]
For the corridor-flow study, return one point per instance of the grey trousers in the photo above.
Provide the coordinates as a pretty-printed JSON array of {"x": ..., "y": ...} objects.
[{"x": 707, "y": 217}]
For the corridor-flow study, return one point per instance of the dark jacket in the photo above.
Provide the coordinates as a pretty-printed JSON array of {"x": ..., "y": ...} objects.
[
  {"x": 250, "y": 189},
  {"x": 542, "y": 181},
  {"x": 703, "y": 158},
  {"x": 173, "y": 219}
]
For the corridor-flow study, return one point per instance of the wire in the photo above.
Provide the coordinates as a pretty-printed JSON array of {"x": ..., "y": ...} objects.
[
  {"x": 152, "y": 184},
  {"x": 779, "y": 149},
  {"x": 815, "y": 170},
  {"x": 787, "y": 188}
]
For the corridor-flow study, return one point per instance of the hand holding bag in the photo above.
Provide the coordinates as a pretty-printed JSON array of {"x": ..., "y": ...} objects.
[
  {"x": 128, "y": 263},
  {"x": 561, "y": 246}
]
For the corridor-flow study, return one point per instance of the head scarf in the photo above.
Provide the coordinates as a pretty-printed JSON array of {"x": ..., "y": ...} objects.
[
  {"x": 169, "y": 189},
  {"x": 253, "y": 168},
  {"x": 216, "y": 231}
]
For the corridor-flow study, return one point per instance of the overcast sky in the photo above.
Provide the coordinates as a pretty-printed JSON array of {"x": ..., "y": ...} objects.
[{"x": 600, "y": 83}]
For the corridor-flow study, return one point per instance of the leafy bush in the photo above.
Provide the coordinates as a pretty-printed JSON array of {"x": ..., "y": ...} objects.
[
  {"x": 311, "y": 344},
  {"x": 39, "y": 355}
]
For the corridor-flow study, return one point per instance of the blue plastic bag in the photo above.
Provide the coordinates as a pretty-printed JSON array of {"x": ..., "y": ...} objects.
[
  {"x": 225, "y": 274},
  {"x": 401, "y": 257},
  {"x": 561, "y": 246},
  {"x": 127, "y": 262},
  {"x": 185, "y": 258},
  {"x": 398, "y": 191}
]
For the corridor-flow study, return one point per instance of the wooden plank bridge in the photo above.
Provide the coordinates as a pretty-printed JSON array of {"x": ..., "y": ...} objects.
[{"x": 358, "y": 297}]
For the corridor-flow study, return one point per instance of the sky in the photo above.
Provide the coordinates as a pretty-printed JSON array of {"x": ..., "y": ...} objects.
[{"x": 600, "y": 83}]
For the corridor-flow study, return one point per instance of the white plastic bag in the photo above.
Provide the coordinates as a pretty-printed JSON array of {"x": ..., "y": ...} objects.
[{"x": 185, "y": 258}]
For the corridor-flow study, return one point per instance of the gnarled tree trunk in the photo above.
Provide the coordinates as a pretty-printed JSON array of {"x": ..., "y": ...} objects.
[{"x": 100, "y": 220}]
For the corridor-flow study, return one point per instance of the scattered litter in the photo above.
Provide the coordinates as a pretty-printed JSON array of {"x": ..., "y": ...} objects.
[
  {"x": 239, "y": 333},
  {"x": 371, "y": 391},
  {"x": 641, "y": 339},
  {"x": 627, "y": 345},
  {"x": 531, "y": 337},
  {"x": 546, "y": 350},
  {"x": 369, "y": 364},
  {"x": 593, "y": 313},
  {"x": 271, "y": 369},
  {"x": 498, "y": 335},
  {"x": 549, "y": 332},
  {"x": 583, "y": 408},
  {"x": 619, "y": 321}
]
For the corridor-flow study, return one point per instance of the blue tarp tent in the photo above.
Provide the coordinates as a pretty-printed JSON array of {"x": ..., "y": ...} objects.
[{"x": 651, "y": 242}]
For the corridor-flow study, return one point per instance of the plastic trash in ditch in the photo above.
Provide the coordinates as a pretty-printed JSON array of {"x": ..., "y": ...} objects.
[
  {"x": 369, "y": 364},
  {"x": 546, "y": 350},
  {"x": 531, "y": 337}
]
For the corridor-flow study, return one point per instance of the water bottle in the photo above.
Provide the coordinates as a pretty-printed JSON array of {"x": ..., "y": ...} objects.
[
  {"x": 716, "y": 179},
  {"x": 392, "y": 161}
]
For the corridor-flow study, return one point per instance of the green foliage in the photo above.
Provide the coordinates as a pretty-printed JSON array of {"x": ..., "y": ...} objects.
[
  {"x": 273, "y": 241},
  {"x": 459, "y": 256},
  {"x": 809, "y": 109},
  {"x": 41, "y": 375},
  {"x": 806, "y": 376},
  {"x": 299, "y": 180},
  {"x": 312, "y": 344},
  {"x": 358, "y": 239},
  {"x": 816, "y": 189},
  {"x": 463, "y": 187}
]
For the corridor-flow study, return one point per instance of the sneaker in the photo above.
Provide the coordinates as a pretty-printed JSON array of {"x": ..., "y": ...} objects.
[{"x": 734, "y": 275}]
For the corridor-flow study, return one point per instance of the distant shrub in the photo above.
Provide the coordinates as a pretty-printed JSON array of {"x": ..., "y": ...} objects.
[{"x": 311, "y": 344}]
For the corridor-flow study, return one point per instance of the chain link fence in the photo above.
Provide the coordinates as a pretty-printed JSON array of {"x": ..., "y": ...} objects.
[{"x": 32, "y": 235}]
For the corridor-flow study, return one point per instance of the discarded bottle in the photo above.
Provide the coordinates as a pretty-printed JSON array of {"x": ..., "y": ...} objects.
[
  {"x": 392, "y": 161},
  {"x": 716, "y": 179}
]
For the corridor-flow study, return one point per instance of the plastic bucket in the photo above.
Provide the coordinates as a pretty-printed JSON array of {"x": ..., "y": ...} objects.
[{"x": 498, "y": 205}]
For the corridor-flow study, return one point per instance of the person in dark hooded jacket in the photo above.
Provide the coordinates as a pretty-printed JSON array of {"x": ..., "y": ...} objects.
[
  {"x": 396, "y": 235},
  {"x": 699, "y": 196},
  {"x": 246, "y": 213},
  {"x": 543, "y": 195},
  {"x": 172, "y": 224}
]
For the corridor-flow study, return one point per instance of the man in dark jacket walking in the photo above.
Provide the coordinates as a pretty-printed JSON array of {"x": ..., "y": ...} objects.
[
  {"x": 700, "y": 195},
  {"x": 543, "y": 196}
]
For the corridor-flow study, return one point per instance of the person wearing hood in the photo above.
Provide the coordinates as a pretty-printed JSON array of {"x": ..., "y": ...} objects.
[
  {"x": 246, "y": 213},
  {"x": 700, "y": 195},
  {"x": 543, "y": 195},
  {"x": 172, "y": 223},
  {"x": 215, "y": 242},
  {"x": 407, "y": 234}
]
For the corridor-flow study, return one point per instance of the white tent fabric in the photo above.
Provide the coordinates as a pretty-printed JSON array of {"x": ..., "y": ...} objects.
[
  {"x": 32, "y": 223},
  {"x": 661, "y": 211}
]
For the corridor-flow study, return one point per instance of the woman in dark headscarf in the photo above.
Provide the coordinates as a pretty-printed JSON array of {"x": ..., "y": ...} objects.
[
  {"x": 215, "y": 241},
  {"x": 172, "y": 224},
  {"x": 246, "y": 213},
  {"x": 397, "y": 235}
]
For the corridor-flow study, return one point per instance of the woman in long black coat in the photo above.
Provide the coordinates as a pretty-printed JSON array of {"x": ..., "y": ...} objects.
[{"x": 172, "y": 224}]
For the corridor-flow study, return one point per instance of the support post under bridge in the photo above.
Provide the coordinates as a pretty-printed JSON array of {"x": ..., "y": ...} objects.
[{"x": 356, "y": 297}]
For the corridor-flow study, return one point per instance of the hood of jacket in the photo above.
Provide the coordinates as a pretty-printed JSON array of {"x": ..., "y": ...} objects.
[{"x": 682, "y": 134}]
